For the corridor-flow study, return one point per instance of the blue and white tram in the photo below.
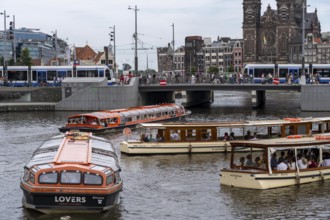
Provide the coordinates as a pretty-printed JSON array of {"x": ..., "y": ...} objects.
[
  {"x": 322, "y": 71},
  {"x": 280, "y": 71},
  {"x": 52, "y": 75}
]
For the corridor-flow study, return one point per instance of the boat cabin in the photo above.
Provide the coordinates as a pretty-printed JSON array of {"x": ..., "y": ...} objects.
[{"x": 271, "y": 163}]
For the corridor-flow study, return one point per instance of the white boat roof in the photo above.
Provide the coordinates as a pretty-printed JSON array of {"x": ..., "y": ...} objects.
[
  {"x": 102, "y": 153},
  {"x": 269, "y": 123},
  {"x": 287, "y": 142}
]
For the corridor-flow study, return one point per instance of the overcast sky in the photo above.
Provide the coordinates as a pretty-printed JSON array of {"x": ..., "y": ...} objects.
[{"x": 87, "y": 21}]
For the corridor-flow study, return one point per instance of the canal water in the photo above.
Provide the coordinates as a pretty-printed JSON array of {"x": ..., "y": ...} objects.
[{"x": 168, "y": 186}]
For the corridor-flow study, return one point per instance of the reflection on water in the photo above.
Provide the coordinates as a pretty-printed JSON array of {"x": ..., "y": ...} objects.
[{"x": 168, "y": 186}]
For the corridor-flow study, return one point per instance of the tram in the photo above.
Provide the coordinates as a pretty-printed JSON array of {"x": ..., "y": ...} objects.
[
  {"x": 52, "y": 75},
  {"x": 255, "y": 71}
]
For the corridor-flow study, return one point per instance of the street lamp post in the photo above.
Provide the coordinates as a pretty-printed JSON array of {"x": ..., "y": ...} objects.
[
  {"x": 4, "y": 43},
  {"x": 135, "y": 9},
  {"x": 303, "y": 76},
  {"x": 113, "y": 37}
]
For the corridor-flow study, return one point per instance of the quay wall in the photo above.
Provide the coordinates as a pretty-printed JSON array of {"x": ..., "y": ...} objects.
[
  {"x": 315, "y": 98},
  {"x": 94, "y": 98}
]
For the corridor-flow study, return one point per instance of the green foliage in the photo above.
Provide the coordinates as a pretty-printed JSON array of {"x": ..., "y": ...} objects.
[
  {"x": 25, "y": 58},
  {"x": 213, "y": 69},
  {"x": 193, "y": 70}
]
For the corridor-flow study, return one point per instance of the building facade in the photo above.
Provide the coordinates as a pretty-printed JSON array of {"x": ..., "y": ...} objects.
[
  {"x": 45, "y": 49},
  {"x": 165, "y": 60},
  {"x": 276, "y": 36}
]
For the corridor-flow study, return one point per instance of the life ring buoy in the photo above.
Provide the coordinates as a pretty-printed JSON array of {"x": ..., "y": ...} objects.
[
  {"x": 294, "y": 136},
  {"x": 322, "y": 137},
  {"x": 293, "y": 119}
]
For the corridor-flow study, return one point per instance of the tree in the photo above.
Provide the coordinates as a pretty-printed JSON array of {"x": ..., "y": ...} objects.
[
  {"x": 25, "y": 58},
  {"x": 193, "y": 70},
  {"x": 213, "y": 69}
]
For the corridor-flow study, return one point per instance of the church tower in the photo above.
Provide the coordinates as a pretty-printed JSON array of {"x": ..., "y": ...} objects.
[
  {"x": 251, "y": 21},
  {"x": 289, "y": 14}
]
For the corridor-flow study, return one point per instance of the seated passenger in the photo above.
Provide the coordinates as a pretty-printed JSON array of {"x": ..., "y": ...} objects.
[
  {"x": 326, "y": 160},
  {"x": 175, "y": 136},
  {"x": 226, "y": 137},
  {"x": 242, "y": 161},
  {"x": 255, "y": 136},
  {"x": 292, "y": 163},
  {"x": 232, "y": 136},
  {"x": 301, "y": 162},
  {"x": 145, "y": 138},
  {"x": 159, "y": 138},
  {"x": 311, "y": 162},
  {"x": 258, "y": 162},
  {"x": 249, "y": 161},
  {"x": 273, "y": 161},
  {"x": 151, "y": 139},
  {"x": 247, "y": 136},
  {"x": 282, "y": 165}
]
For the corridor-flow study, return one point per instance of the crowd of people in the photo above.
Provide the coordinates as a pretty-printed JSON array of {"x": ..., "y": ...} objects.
[{"x": 287, "y": 160}]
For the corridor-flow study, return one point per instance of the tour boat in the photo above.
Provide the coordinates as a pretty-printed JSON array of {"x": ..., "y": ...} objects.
[
  {"x": 114, "y": 120},
  {"x": 74, "y": 172},
  {"x": 311, "y": 154},
  {"x": 211, "y": 137}
]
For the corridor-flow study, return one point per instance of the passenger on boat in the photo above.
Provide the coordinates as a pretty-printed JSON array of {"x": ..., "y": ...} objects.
[
  {"x": 247, "y": 136},
  {"x": 302, "y": 162},
  {"x": 151, "y": 139},
  {"x": 226, "y": 137},
  {"x": 258, "y": 161},
  {"x": 159, "y": 138},
  {"x": 326, "y": 160},
  {"x": 144, "y": 138},
  {"x": 242, "y": 161},
  {"x": 282, "y": 165},
  {"x": 273, "y": 161},
  {"x": 232, "y": 136},
  {"x": 255, "y": 136},
  {"x": 175, "y": 136},
  {"x": 249, "y": 161},
  {"x": 292, "y": 163},
  {"x": 311, "y": 162},
  {"x": 281, "y": 158}
]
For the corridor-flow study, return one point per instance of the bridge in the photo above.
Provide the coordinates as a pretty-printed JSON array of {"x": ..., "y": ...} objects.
[
  {"x": 92, "y": 96},
  {"x": 203, "y": 92}
]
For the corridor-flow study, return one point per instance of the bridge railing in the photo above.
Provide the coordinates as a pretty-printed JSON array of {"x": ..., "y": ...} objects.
[{"x": 193, "y": 80}]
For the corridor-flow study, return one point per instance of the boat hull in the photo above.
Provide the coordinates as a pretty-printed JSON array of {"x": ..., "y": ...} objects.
[
  {"x": 140, "y": 148},
  {"x": 113, "y": 129},
  {"x": 51, "y": 203},
  {"x": 254, "y": 180}
]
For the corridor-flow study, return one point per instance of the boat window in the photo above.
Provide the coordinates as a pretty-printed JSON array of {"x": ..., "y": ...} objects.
[
  {"x": 26, "y": 175},
  {"x": 302, "y": 129},
  {"x": 117, "y": 177},
  {"x": 191, "y": 135},
  {"x": 71, "y": 177},
  {"x": 31, "y": 177},
  {"x": 175, "y": 135},
  {"x": 109, "y": 179},
  {"x": 246, "y": 159},
  {"x": 206, "y": 134},
  {"x": 48, "y": 178},
  {"x": 92, "y": 179}
]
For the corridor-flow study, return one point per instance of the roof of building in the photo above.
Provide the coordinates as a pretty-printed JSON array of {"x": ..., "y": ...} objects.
[{"x": 85, "y": 53}]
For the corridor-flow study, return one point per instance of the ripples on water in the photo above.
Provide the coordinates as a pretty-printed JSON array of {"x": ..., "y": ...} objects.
[{"x": 170, "y": 186}]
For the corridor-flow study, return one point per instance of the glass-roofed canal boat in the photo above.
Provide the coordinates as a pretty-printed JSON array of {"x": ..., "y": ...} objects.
[{"x": 74, "y": 172}]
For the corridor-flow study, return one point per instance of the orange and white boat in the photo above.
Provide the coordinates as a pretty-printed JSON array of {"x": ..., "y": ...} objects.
[
  {"x": 114, "y": 120},
  {"x": 75, "y": 172}
]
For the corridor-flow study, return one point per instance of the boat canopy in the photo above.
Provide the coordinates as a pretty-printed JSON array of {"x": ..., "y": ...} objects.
[{"x": 102, "y": 154}]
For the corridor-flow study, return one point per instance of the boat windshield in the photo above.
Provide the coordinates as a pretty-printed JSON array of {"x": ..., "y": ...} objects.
[{"x": 71, "y": 177}]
